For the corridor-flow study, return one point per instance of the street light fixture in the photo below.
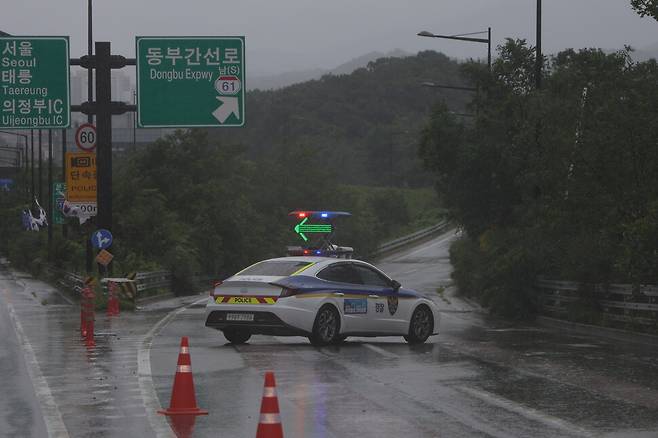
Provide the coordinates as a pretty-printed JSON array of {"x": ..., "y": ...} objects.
[
  {"x": 465, "y": 37},
  {"x": 449, "y": 87}
]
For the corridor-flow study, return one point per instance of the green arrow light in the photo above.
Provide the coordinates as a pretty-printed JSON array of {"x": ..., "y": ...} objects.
[{"x": 303, "y": 227}]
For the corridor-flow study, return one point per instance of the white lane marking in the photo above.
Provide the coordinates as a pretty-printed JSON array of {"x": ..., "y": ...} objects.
[
  {"x": 381, "y": 351},
  {"x": 526, "y": 412},
  {"x": 123, "y": 417},
  {"x": 51, "y": 415},
  {"x": 150, "y": 399}
]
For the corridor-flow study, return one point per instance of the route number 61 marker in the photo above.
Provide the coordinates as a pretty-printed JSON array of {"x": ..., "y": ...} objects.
[
  {"x": 228, "y": 85},
  {"x": 85, "y": 137}
]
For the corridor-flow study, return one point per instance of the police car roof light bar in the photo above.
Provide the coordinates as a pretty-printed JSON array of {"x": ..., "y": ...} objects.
[{"x": 325, "y": 214}]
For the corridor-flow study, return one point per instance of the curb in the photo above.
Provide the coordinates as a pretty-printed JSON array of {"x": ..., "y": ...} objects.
[{"x": 594, "y": 330}]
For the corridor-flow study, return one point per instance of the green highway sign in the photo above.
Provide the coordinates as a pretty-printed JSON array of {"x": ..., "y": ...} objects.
[
  {"x": 34, "y": 83},
  {"x": 303, "y": 228},
  {"x": 190, "y": 82},
  {"x": 59, "y": 196}
]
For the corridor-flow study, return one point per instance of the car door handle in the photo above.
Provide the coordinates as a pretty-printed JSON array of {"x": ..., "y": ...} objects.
[
  {"x": 339, "y": 294},
  {"x": 373, "y": 296}
]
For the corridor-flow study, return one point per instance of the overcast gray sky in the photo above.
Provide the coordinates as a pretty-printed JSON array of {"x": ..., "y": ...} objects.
[{"x": 284, "y": 35}]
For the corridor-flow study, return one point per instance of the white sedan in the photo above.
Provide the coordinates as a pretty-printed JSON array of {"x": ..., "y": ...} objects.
[{"x": 325, "y": 299}]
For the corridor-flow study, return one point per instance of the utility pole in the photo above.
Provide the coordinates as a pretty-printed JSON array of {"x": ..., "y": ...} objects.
[{"x": 90, "y": 117}]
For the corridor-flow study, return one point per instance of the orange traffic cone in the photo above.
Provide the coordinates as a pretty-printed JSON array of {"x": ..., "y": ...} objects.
[
  {"x": 183, "y": 399},
  {"x": 269, "y": 425}
]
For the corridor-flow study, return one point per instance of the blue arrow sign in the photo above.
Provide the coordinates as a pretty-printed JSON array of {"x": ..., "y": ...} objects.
[{"x": 101, "y": 239}]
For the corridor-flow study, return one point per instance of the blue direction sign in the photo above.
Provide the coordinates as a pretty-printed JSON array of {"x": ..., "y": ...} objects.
[
  {"x": 6, "y": 183},
  {"x": 101, "y": 239}
]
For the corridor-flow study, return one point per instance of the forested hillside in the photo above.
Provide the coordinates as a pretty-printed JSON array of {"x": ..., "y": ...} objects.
[{"x": 364, "y": 126}]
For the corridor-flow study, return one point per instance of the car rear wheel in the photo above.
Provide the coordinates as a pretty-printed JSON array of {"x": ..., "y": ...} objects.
[
  {"x": 340, "y": 339},
  {"x": 326, "y": 327},
  {"x": 236, "y": 336},
  {"x": 420, "y": 326}
]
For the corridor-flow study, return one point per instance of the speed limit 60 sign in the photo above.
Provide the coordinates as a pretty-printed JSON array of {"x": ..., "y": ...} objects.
[{"x": 85, "y": 137}]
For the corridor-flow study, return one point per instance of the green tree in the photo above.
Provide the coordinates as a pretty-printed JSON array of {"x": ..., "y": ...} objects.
[
  {"x": 560, "y": 181},
  {"x": 646, "y": 7}
]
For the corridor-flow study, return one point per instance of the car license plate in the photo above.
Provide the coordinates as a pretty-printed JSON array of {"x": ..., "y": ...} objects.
[{"x": 239, "y": 316}]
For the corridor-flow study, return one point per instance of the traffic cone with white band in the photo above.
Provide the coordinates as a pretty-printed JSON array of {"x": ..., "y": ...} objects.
[
  {"x": 269, "y": 425},
  {"x": 183, "y": 399}
]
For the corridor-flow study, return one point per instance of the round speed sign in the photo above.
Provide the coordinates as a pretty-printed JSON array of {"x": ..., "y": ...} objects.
[{"x": 85, "y": 137}]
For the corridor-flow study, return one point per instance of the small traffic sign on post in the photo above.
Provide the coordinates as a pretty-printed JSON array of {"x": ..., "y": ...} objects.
[
  {"x": 34, "y": 83},
  {"x": 85, "y": 137},
  {"x": 190, "y": 81},
  {"x": 101, "y": 239},
  {"x": 81, "y": 177},
  {"x": 59, "y": 196}
]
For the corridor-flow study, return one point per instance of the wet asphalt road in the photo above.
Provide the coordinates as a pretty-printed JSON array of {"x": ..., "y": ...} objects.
[
  {"x": 479, "y": 378},
  {"x": 19, "y": 408}
]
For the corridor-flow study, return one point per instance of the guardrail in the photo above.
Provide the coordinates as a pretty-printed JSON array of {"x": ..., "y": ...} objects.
[
  {"x": 66, "y": 280},
  {"x": 618, "y": 303},
  {"x": 153, "y": 280},
  {"x": 413, "y": 237}
]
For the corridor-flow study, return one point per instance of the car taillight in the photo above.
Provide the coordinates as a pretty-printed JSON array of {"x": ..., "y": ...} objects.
[
  {"x": 214, "y": 286},
  {"x": 287, "y": 292}
]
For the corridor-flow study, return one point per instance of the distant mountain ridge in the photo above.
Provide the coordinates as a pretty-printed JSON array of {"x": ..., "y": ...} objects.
[{"x": 273, "y": 82}]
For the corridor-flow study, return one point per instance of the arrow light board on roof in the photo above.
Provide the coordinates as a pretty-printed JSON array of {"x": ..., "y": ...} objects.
[{"x": 304, "y": 228}]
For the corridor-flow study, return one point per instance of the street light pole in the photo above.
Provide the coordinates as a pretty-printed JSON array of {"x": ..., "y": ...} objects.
[{"x": 538, "y": 58}]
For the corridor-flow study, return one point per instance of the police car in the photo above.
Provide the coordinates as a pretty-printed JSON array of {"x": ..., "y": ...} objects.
[{"x": 325, "y": 299}]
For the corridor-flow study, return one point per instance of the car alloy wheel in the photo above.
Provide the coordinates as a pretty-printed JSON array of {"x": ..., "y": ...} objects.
[
  {"x": 326, "y": 326},
  {"x": 421, "y": 325}
]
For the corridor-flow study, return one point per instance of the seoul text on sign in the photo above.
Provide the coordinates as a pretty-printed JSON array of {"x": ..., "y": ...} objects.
[{"x": 34, "y": 82}]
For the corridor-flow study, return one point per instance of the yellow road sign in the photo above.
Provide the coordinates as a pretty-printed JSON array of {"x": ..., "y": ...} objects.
[
  {"x": 104, "y": 257},
  {"x": 80, "y": 176}
]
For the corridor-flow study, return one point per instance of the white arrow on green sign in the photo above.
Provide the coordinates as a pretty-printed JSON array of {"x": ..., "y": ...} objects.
[{"x": 190, "y": 82}]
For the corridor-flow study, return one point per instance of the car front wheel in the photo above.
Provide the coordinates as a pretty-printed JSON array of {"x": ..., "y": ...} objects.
[
  {"x": 236, "y": 336},
  {"x": 420, "y": 326},
  {"x": 326, "y": 327}
]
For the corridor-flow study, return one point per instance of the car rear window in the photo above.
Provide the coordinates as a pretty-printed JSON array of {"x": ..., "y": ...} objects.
[{"x": 279, "y": 268}]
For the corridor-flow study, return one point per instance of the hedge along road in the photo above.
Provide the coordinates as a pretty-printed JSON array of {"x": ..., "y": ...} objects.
[{"x": 479, "y": 377}]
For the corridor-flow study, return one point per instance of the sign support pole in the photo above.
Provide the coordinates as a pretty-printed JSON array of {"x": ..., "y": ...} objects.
[
  {"x": 104, "y": 141},
  {"x": 40, "y": 167},
  {"x": 65, "y": 230},
  {"x": 50, "y": 193},
  {"x": 32, "y": 161}
]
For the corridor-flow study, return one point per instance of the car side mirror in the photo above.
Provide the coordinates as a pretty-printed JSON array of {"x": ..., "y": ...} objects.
[{"x": 395, "y": 285}]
